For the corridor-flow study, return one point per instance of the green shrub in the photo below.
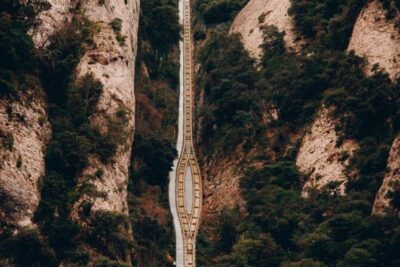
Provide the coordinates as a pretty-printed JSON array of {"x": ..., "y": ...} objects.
[
  {"x": 158, "y": 27},
  {"x": 28, "y": 248},
  {"x": 218, "y": 11},
  {"x": 83, "y": 96},
  {"x": 153, "y": 160},
  {"x": 108, "y": 233},
  {"x": 17, "y": 60},
  {"x": 59, "y": 59},
  {"x": 329, "y": 22},
  {"x": 6, "y": 140},
  {"x": 116, "y": 25}
]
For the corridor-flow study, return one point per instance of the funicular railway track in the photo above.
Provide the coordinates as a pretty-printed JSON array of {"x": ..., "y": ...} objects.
[{"x": 188, "y": 178}]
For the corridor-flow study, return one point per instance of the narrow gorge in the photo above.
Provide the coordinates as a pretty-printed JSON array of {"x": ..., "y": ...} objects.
[{"x": 218, "y": 133}]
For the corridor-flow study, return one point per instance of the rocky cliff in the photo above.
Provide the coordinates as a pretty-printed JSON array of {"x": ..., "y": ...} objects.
[
  {"x": 221, "y": 188},
  {"x": 24, "y": 133},
  {"x": 51, "y": 19},
  {"x": 25, "y": 129},
  {"x": 377, "y": 39},
  {"x": 112, "y": 62},
  {"x": 320, "y": 158},
  {"x": 390, "y": 182},
  {"x": 259, "y": 13}
]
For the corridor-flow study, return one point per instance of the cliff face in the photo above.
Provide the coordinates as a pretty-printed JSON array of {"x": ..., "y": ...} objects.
[
  {"x": 222, "y": 178},
  {"x": 25, "y": 130},
  {"x": 391, "y": 180},
  {"x": 319, "y": 157},
  {"x": 377, "y": 39},
  {"x": 51, "y": 19},
  {"x": 112, "y": 62},
  {"x": 221, "y": 188},
  {"x": 24, "y": 133},
  {"x": 258, "y": 13}
]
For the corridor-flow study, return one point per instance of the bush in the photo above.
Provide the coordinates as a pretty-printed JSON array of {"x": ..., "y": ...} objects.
[
  {"x": 6, "y": 140},
  {"x": 162, "y": 37},
  {"x": 229, "y": 81},
  {"x": 72, "y": 101},
  {"x": 108, "y": 232},
  {"x": 329, "y": 22},
  {"x": 17, "y": 60},
  {"x": 219, "y": 11},
  {"x": 116, "y": 25},
  {"x": 28, "y": 248},
  {"x": 153, "y": 160}
]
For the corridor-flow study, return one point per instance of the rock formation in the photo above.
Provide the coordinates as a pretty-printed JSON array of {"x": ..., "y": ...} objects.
[
  {"x": 390, "y": 181},
  {"x": 25, "y": 130},
  {"x": 221, "y": 188},
  {"x": 377, "y": 39},
  {"x": 258, "y": 13},
  {"x": 320, "y": 158},
  {"x": 24, "y": 134},
  {"x": 112, "y": 62},
  {"x": 51, "y": 19}
]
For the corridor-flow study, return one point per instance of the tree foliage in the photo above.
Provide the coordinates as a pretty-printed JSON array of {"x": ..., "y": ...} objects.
[
  {"x": 219, "y": 11},
  {"x": 331, "y": 22},
  {"x": 286, "y": 229}
]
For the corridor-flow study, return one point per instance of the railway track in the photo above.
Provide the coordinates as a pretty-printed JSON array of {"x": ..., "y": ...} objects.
[{"x": 188, "y": 178}]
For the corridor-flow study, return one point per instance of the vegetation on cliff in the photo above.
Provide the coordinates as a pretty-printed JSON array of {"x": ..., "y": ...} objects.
[
  {"x": 71, "y": 101},
  {"x": 156, "y": 86},
  {"x": 330, "y": 23},
  {"x": 279, "y": 227},
  {"x": 18, "y": 66},
  {"x": 218, "y": 11}
]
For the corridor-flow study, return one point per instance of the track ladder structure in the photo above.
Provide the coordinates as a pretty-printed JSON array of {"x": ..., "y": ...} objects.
[{"x": 188, "y": 178}]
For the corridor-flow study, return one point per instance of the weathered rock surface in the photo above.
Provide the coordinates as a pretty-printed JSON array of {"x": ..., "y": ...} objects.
[
  {"x": 24, "y": 133},
  {"x": 112, "y": 62},
  {"x": 51, "y": 19},
  {"x": 377, "y": 39},
  {"x": 391, "y": 179},
  {"x": 221, "y": 188},
  {"x": 259, "y": 13},
  {"x": 24, "y": 121},
  {"x": 319, "y": 158}
]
